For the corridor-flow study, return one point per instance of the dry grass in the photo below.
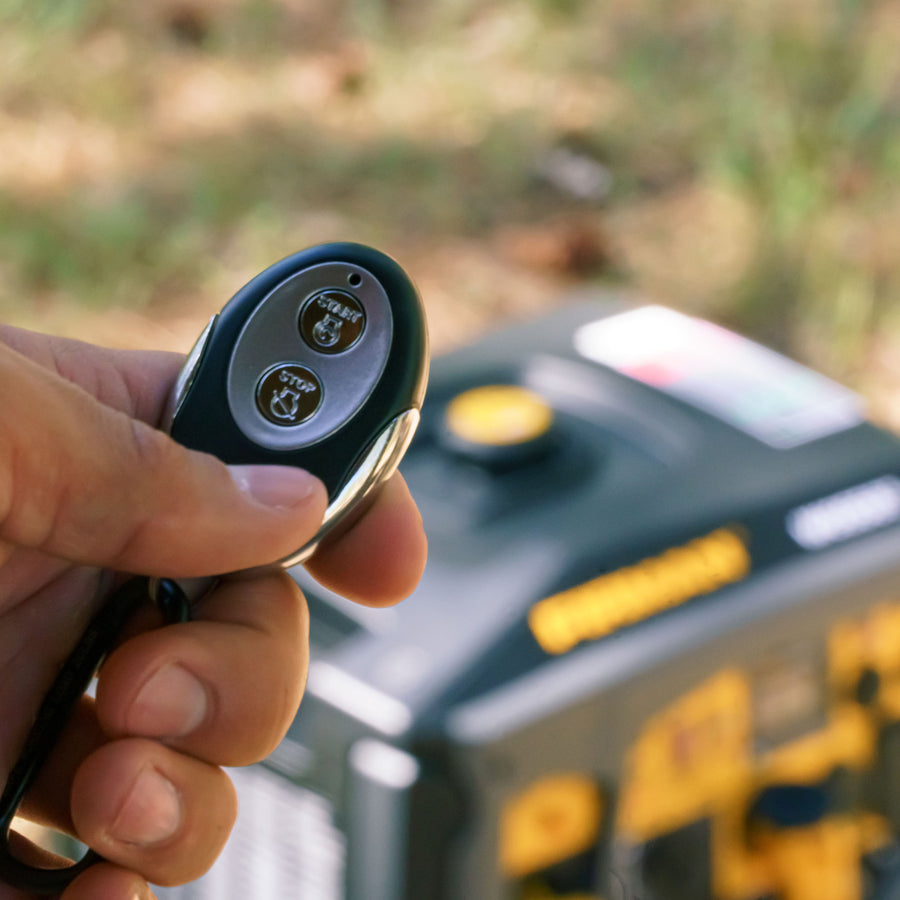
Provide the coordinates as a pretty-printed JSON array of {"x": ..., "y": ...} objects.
[{"x": 737, "y": 160}]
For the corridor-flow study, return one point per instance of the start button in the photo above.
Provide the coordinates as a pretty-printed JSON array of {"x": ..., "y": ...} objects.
[
  {"x": 498, "y": 424},
  {"x": 332, "y": 321}
]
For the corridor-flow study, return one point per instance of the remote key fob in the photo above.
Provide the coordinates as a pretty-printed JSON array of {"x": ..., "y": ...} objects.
[{"x": 319, "y": 362}]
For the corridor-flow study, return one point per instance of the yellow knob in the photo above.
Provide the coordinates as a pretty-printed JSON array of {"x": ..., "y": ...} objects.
[{"x": 498, "y": 415}]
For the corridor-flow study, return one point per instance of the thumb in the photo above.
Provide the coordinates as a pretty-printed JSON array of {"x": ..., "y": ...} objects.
[{"x": 88, "y": 483}]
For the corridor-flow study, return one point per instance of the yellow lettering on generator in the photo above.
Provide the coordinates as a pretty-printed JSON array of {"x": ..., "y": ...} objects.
[{"x": 634, "y": 593}]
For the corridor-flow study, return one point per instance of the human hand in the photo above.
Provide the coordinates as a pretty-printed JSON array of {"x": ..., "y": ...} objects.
[{"x": 88, "y": 487}]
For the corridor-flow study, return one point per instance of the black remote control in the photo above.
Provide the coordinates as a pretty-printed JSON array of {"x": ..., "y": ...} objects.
[{"x": 319, "y": 362}]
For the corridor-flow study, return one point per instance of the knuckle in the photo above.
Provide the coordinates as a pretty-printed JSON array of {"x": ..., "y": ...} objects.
[
  {"x": 32, "y": 497},
  {"x": 152, "y": 450}
]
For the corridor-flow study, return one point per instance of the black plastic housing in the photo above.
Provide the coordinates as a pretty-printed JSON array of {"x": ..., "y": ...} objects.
[{"x": 204, "y": 420}]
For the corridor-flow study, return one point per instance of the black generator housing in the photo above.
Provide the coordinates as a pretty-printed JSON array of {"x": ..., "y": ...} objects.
[{"x": 655, "y": 654}]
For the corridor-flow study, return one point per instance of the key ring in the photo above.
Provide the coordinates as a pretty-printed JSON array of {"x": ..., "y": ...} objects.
[{"x": 67, "y": 689}]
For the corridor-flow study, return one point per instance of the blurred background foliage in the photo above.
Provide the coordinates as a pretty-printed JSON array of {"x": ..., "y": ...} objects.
[{"x": 735, "y": 158}]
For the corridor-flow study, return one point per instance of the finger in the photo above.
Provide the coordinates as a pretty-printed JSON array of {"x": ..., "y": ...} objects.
[
  {"x": 146, "y": 808},
  {"x": 85, "y": 482},
  {"x": 380, "y": 559},
  {"x": 23, "y": 847},
  {"x": 136, "y": 382},
  {"x": 107, "y": 882},
  {"x": 100, "y": 882},
  {"x": 224, "y": 688}
]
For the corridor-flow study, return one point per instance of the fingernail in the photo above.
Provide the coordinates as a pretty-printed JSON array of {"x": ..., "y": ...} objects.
[
  {"x": 172, "y": 703},
  {"x": 280, "y": 487},
  {"x": 151, "y": 812}
]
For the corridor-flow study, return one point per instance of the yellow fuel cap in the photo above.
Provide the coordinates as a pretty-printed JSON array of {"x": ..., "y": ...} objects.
[
  {"x": 499, "y": 415},
  {"x": 498, "y": 424}
]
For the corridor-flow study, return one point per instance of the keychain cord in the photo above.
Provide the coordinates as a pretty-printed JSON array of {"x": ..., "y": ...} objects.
[{"x": 53, "y": 715}]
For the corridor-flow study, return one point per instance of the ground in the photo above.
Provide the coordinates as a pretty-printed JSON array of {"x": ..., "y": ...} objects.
[{"x": 735, "y": 160}]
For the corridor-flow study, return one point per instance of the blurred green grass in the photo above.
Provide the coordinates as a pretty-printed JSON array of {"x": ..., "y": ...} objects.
[{"x": 154, "y": 156}]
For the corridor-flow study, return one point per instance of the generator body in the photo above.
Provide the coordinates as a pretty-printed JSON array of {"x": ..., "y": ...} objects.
[{"x": 655, "y": 654}]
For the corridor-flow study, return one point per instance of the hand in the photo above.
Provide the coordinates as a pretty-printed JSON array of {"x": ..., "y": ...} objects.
[{"x": 89, "y": 487}]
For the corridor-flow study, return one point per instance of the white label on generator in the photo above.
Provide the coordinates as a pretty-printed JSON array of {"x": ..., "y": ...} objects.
[
  {"x": 284, "y": 845},
  {"x": 848, "y": 514},
  {"x": 764, "y": 394}
]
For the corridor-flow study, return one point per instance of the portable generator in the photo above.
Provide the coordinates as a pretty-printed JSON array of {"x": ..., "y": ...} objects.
[{"x": 655, "y": 654}]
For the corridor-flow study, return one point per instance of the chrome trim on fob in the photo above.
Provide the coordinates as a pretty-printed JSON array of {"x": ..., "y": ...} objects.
[
  {"x": 379, "y": 463},
  {"x": 186, "y": 376}
]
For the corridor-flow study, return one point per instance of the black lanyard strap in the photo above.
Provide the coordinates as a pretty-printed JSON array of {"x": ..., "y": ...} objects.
[{"x": 67, "y": 689}]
